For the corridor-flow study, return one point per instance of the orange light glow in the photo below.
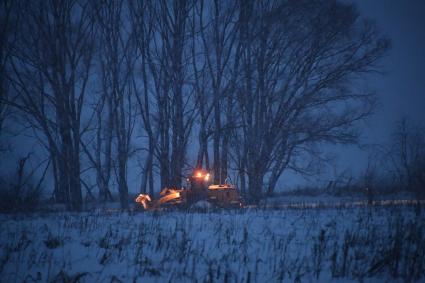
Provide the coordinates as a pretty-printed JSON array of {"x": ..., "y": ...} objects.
[
  {"x": 199, "y": 174},
  {"x": 143, "y": 200},
  {"x": 207, "y": 177},
  {"x": 172, "y": 195}
]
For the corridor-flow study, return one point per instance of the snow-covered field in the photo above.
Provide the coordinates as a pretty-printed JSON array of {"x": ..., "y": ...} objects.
[{"x": 249, "y": 245}]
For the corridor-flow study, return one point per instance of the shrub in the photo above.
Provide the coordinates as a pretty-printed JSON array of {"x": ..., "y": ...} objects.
[{"x": 15, "y": 196}]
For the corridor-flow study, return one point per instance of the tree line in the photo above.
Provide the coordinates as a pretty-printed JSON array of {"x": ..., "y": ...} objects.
[{"x": 254, "y": 86}]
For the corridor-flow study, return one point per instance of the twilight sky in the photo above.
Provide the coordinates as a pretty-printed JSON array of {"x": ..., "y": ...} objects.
[{"x": 402, "y": 88}]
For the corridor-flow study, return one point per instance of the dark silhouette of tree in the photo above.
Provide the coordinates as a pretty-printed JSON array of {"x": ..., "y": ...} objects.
[
  {"x": 7, "y": 36},
  {"x": 407, "y": 156},
  {"x": 298, "y": 61},
  {"x": 51, "y": 64}
]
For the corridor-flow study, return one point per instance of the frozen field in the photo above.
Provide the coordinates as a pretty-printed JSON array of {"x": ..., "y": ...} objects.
[{"x": 315, "y": 244}]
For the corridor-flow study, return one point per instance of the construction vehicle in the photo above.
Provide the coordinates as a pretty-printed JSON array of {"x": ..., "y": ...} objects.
[{"x": 200, "y": 191}]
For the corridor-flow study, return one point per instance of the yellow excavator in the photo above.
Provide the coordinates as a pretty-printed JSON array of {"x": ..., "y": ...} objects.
[{"x": 200, "y": 192}]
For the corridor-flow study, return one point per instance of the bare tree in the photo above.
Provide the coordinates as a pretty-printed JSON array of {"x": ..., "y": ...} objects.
[
  {"x": 51, "y": 63},
  {"x": 218, "y": 33},
  {"x": 174, "y": 37},
  {"x": 200, "y": 82},
  {"x": 7, "y": 34},
  {"x": 407, "y": 156},
  {"x": 117, "y": 59},
  {"x": 100, "y": 153},
  {"x": 142, "y": 19},
  {"x": 298, "y": 60},
  {"x": 166, "y": 55}
]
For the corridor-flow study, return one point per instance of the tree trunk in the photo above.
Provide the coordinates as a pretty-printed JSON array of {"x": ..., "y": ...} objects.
[
  {"x": 255, "y": 185},
  {"x": 216, "y": 142},
  {"x": 122, "y": 182},
  {"x": 164, "y": 149}
]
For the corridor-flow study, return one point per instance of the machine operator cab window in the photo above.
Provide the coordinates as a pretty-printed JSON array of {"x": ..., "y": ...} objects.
[{"x": 200, "y": 180}]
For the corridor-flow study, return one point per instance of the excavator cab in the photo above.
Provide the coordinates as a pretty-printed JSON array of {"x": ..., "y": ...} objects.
[
  {"x": 200, "y": 180},
  {"x": 220, "y": 195},
  {"x": 198, "y": 186}
]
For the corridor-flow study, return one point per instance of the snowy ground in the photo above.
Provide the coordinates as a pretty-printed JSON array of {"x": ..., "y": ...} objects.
[
  {"x": 383, "y": 243},
  {"x": 328, "y": 198}
]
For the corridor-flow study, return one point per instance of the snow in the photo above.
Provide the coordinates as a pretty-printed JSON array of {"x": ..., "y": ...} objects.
[{"x": 248, "y": 245}]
